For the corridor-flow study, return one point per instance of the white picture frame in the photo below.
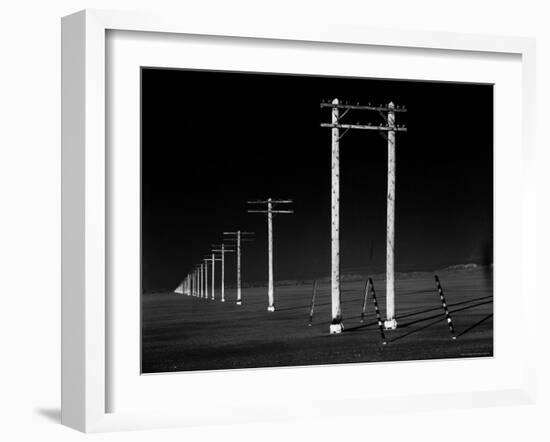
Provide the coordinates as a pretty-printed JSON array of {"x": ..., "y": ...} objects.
[{"x": 85, "y": 202}]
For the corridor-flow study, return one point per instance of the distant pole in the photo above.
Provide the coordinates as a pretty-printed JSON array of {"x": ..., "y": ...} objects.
[
  {"x": 271, "y": 306},
  {"x": 213, "y": 274},
  {"x": 206, "y": 278},
  {"x": 390, "y": 323},
  {"x": 202, "y": 281},
  {"x": 222, "y": 250},
  {"x": 336, "y": 325},
  {"x": 213, "y": 260},
  {"x": 239, "y": 299},
  {"x": 197, "y": 283},
  {"x": 270, "y": 211},
  {"x": 223, "y": 274},
  {"x": 238, "y": 237}
]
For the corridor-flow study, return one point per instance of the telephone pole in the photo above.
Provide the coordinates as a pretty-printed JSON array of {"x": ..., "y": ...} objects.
[
  {"x": 270, "y": 211},
  {"x": 195, "y": 281},
  {"x": 205, "y": 276},
  {"x": 201, "y": 281},
  {"x": 238, "y": 237},
  {"x": 387, "y": 130},
  {"x": 213, "y": 260},
  {"x": 221, "y": 248},
  {"x": 184, "y": 286}
]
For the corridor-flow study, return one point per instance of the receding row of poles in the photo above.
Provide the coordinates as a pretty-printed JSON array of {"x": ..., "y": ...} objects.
[{"x": 196, "y": 281}]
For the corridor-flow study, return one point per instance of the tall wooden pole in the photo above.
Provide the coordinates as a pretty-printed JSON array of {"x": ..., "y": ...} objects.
[
  {"x": 239, "y": 299},
  {"x": 202, "y": 281},
  {"x": 223, "y": 274},
  {"x": 390, "y": 128},
  {"x": 390, "y": 322},
  {"x": 236, "y": 237},
  {"x": 206, "y": 278},
  {"x": 269, "y": 211},
  {"x": 270, "y": 306},
  {"x": 336, "y": 325},
  {"x": 213, "y": 274}
]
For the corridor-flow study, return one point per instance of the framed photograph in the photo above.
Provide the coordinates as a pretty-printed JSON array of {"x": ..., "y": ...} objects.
[{"x": 251, "y": 212}]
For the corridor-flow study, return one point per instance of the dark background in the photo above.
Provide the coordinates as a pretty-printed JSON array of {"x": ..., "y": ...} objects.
[{"x": 212, "y": 140}]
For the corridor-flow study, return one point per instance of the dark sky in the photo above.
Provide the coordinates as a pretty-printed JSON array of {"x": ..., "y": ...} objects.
[{"x": 212, "y": 140}]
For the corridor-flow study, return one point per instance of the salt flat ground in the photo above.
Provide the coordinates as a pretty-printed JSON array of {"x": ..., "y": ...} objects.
[{"x": 186, "y": 333}]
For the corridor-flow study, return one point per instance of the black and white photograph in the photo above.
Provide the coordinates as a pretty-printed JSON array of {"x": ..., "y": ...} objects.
[
  {"x": 261, "y": 221},
  {"x": 292, "y": 220}
]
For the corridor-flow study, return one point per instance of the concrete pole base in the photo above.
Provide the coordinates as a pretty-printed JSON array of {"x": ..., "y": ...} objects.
[
  {"x": 223, "y": 300},
  {"x": 271, "y": 308},
  {"x": 239, "y": 303},
  {"x": 336, "y": 328},
  {"x": 390, "y": 324}
]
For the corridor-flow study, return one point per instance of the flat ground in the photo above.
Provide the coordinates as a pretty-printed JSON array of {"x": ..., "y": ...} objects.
[{"x": 185, "y": 333}]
